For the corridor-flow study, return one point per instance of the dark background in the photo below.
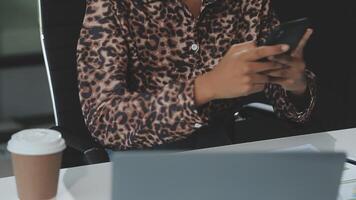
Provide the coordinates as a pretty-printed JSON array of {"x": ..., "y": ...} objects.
[{"x": 330, "y": 54}]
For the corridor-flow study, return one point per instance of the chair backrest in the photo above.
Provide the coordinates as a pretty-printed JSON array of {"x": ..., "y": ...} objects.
[{"x": 60, "y": 24}]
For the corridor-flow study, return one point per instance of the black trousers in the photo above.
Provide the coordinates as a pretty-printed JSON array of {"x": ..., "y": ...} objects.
[{"x": 219, "y": 132}]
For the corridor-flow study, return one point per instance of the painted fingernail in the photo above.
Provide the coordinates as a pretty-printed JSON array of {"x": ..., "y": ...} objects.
[{"x": 284, "y": 47}]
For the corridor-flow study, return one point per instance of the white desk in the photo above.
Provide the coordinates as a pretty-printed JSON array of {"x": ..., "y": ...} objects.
[
  {"x": 341, "y": 140},
  {"x": 94, "y": 182}
]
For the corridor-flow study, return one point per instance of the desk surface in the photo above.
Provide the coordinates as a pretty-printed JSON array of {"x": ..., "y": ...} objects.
[{"x": 94, "y": 181}]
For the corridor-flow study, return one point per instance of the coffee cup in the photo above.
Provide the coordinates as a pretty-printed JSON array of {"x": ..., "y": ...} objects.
[{"x": 36, "y": 158}]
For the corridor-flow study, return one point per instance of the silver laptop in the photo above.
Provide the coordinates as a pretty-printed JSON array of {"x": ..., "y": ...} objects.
[{"x": 226, "y": 176}]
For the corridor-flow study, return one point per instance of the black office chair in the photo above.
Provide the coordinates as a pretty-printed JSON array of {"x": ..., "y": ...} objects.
[{"x": 60, "y": 23}]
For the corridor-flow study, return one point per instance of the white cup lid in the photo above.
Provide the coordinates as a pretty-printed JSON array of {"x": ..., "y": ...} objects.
[{"x": 36, "y": 142}]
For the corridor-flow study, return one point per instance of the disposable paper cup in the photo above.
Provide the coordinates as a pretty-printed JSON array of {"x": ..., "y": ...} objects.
[{"x": 36, "y": 158}]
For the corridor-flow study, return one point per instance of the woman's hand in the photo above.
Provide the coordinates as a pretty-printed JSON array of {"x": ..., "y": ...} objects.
[
  {"x": 239, "y": 73},
  {"x": 291, "y": 77}
]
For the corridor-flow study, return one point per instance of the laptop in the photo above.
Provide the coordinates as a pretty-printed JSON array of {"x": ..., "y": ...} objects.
[{"x": 226, "y": 176}]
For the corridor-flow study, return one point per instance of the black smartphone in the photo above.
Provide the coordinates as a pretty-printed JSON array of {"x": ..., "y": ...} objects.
[{"x": 290, "y": 33}]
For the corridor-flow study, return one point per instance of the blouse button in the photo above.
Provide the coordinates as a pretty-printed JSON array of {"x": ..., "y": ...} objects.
[
  {"x": 194, "y": 48},
  {"x": 197, "y": 125}
]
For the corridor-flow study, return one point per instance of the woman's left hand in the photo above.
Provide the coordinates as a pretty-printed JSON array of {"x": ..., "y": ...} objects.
[{"x": 292, "y": 77}]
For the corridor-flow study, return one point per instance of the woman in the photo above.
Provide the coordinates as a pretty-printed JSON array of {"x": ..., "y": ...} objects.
[{"x": 153, "y": 72}]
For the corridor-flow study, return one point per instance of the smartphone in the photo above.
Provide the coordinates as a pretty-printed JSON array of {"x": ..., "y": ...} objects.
[{"x": 290, "y": 33}]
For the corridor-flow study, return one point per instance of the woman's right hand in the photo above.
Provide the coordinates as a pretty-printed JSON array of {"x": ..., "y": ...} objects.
[{"x": 238, "y": 73}]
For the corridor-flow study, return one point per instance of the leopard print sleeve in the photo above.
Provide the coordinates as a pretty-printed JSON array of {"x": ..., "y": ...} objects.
[
  {"x": 117, "y": 116},
  {"x": 283, "y": 104}
]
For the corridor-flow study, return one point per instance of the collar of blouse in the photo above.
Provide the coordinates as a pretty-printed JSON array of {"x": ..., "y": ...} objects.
[
  {"x": 215, "y": 3},
  {"x": 205, "y": 2}
]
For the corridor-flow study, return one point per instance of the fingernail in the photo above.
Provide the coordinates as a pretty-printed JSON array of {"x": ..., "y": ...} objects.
[{"x": 284, "y": 47}]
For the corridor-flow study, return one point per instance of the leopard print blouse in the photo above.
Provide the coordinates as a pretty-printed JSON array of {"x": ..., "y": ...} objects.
[{"x": 137, "y": 61}]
